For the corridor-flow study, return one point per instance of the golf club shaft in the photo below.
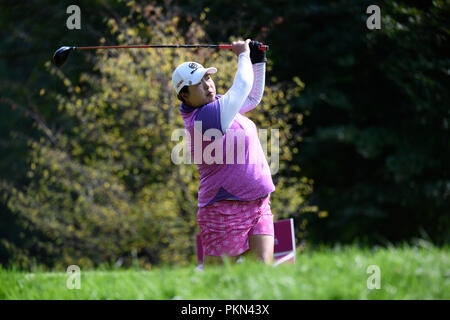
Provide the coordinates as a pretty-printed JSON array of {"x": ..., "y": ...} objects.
[{"x": 219, "y": 46}]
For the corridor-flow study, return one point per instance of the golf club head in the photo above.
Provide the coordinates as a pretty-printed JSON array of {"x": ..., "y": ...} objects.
[{"x": 61, "y": 55}]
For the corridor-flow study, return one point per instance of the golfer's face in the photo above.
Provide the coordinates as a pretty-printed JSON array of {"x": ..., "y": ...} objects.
[{"x": 202, "y": 93}]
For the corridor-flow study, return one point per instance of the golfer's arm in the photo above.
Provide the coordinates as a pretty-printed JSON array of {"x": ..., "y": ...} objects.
[
  {"x": 232, "y": 101},
  {"x": 256, "y": 94}
]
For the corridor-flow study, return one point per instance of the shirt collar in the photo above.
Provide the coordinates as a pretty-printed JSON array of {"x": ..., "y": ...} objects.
[{"x": 185, "y": 108}]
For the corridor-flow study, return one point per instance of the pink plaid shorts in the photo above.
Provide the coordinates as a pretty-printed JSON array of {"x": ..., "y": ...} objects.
[{"x": 225, "y": 225}]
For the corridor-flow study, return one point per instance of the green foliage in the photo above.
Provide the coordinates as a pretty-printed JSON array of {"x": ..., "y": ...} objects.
[{"x": 104, "y": 190}]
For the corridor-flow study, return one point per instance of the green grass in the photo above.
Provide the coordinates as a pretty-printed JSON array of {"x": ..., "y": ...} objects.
[{"x": 340, "y": 273}]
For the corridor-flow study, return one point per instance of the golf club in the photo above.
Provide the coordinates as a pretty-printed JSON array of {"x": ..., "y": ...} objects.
[{"x": 60, "y": 56}]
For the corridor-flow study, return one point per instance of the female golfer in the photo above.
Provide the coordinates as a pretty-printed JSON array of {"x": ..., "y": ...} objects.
[{"x": 234, "y": 213}]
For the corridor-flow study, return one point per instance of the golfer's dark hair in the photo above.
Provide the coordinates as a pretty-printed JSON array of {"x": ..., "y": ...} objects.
[{"x": 185, "y": 89}]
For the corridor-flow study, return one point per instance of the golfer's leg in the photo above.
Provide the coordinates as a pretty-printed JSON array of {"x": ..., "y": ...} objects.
[{"x": 262, "y": 246}]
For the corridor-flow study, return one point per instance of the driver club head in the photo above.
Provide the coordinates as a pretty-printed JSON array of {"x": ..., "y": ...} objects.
[{"x": 61, "y": 55}]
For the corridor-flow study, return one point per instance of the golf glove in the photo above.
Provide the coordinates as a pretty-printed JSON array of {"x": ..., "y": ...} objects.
[{"x": 256, "y": 55}]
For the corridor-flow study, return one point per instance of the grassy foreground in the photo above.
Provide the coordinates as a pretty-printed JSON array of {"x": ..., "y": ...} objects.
[{"x": 341, "y": 273}]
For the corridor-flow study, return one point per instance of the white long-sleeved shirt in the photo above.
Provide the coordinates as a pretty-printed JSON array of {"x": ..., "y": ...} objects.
[{"x": 245, "y": 93}]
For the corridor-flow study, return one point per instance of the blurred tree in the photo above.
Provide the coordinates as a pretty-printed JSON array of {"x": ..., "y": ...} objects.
[
  {"x": 375, "y": 140},
  {"x": 375, "y": 102},
  {"x": 378, "y": 130},
  {"x": 30, "y": 31},
  {"x": 105, "y": 188}
]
